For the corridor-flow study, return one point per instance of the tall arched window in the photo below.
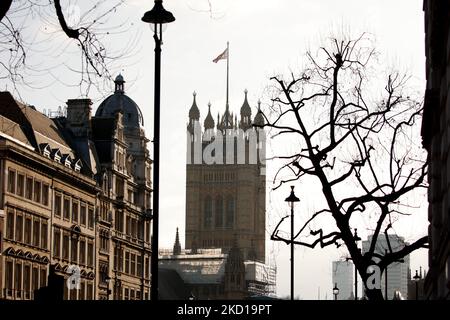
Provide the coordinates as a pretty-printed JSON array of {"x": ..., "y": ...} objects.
[
  {"x": 229, "y": 220},
  {"x": 219, "y": 212},
  {"x": 207, "y": 213}
]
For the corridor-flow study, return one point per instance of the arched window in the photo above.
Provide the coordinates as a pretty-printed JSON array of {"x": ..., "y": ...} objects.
[
  {"x": 229, "y": 220},
  {"x": 207, "y": 213},
  {"x": 219, "y": 212}
]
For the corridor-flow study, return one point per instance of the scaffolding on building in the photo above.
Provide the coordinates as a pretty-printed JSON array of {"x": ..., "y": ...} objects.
[{"x": 261, "y": 278}]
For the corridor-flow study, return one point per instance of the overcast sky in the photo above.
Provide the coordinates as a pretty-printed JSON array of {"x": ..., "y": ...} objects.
[{"x": 266, "y": 37}]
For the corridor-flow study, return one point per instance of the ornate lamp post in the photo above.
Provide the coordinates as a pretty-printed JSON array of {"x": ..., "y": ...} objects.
[
  {"x": 335, "y": 291},
  {"x": 291, "y": 199},
  {"x": 156, "y": 18}
]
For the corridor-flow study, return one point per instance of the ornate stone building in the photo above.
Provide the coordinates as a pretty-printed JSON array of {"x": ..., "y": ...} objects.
[
  {"x": 225, "y": 182},
  {"x": 44, "y": 187},
  {"x": 225, "y": 212},
  {"x": 75, "y": 192},
  {"x": 212, "y": 274},
  {"x": 124, "y": 201},
  {"x": 435, "y": 133}
]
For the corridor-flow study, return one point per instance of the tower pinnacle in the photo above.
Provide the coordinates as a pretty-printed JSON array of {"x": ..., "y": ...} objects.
[{"x": 177, "y": 245}]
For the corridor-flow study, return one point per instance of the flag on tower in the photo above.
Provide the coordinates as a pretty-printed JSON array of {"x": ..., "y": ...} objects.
[{"x": 223, "y": 55}]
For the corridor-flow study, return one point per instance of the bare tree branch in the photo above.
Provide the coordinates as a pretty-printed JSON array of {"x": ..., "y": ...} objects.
[
  {"x": 4, "y": 7},
  {"x": 380, "y": 164}
]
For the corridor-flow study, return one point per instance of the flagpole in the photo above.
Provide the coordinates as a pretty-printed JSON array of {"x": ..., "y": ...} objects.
[{"x": 228, "y": 67}]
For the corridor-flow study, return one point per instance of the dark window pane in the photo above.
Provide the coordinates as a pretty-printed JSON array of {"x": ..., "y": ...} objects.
[
  {"x": 45, "y": 190},
  {"x": 19, "y": 227},
  {"x": 66, "y": 208},
  {"x": 20, "y": 185},
  {"x": 29, "y": 189},
  {"x": 75, "y": 211},
  {"x": 58, "y": 205},
  {"x": 83, "y": 215},
  {"x": 10, "y": 224},
  {"x": 11, "y": 181},
  {"x": 37, "y": 191}
]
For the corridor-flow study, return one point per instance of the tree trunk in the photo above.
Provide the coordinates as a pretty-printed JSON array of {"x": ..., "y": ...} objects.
[
  {"x": 374, "y": 294},
  {"x": 4, "y": 8},
  {"x": 371, "y": 294}
]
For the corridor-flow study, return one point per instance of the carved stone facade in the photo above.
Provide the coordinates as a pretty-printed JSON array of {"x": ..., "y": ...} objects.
[
  {"x": 225, "y": 198},
  {"x": 436, "y": 133},
  {"x": 75, "y": 191}
]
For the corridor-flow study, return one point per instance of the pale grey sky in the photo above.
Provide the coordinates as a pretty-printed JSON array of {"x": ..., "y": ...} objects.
[{"x": 266, "y": 38}]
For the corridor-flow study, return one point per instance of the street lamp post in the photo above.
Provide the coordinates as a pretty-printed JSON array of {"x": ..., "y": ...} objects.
[
  {"x": 335, "y": 291},
  {"x": 291, "y": 199},
  {"x": 356, "y": 238},
  {"x": 416, "y": 280},
  {"x": 156, "y": 17}
]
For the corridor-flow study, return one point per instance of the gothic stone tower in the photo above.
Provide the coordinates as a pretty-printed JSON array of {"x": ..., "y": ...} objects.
[{"x": 225, "y": 196}]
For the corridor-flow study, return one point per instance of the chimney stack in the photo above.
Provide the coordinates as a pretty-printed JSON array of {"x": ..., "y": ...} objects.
[{"x": 79, "y": 116}]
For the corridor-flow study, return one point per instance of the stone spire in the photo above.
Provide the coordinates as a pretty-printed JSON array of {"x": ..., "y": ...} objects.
[
  {"x": 226, "y": 121},
  {"x": 234, "y": 275},
  {"x": 194, "y": 112},
  {"x": 259, "y": 118},
  {"x": 246, "y": 114},
  {"x": 177, "y": 245},
  {"x": 235, "y": 258},
  {"x": 209, "y": 121}
]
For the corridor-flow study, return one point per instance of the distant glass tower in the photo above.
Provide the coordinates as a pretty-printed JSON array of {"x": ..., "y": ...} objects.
[
  {"x": 397, "y": 272},
  {"x": 342, "y": 274}
]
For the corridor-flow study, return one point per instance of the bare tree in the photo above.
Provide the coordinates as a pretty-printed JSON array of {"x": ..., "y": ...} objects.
[
  {"x": 359, "y": 147},
  {"x": 88, "y": 32}
]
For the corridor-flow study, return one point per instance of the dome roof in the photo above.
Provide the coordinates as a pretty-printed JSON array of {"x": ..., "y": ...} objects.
[
  {"x": 119, "y": 101},
  {"x": 209, "y": 121},
  {"x": 194, "y": 112},
  {"x": 245, "y": 109},
  {"x": 259, "y": 118}
]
